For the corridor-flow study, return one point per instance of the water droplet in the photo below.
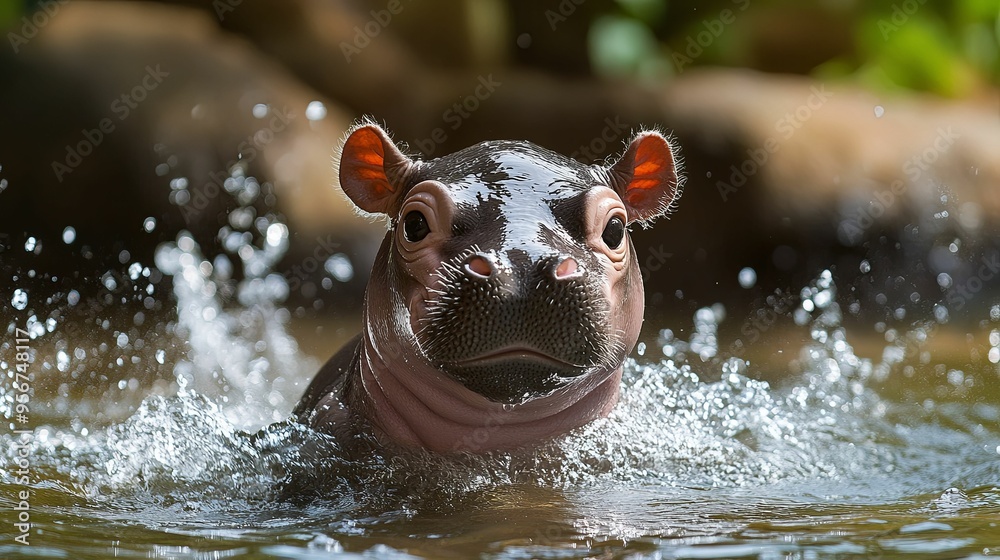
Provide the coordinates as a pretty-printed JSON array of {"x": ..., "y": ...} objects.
[
  {"x": 69, "y": 235},
  {"x": 524, "y": 40},
  {"x": 31, "y": 244},
  {"x": 340, "y": 267},
  {"x": 879, "y": 111},
  {"x": 185, "y": 242},
  {"x": 823, "y": 299},
  {"x": 34, "y": 327},
  {"x": 20, "y": 299},
  {"x": 134, "y": 271},
  {"x": 260, "y": 110},
  {"x": 149, "y": 224},
  {"x": 109, "y": 282},
  {"x": 747, "y": 277},
  {"x": 865, "y": 267},
  {"x": 62, "y": 361},
  {"x": 73, "y": 297},
  {"x": 956, "y": 377},
  {"x": 209, "y": 314},
  {"x": 941, "y": 314},
  {"x": 160, "y": 355},
  {"x": 315, "y": 111},
  {"x": 122, "y": 340},
  {"x": 276, "y": 233},
  {"x": 994, "y": 353},
  {"x": 641, "y": 348}
]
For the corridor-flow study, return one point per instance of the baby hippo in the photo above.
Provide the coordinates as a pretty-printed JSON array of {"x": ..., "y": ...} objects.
[{"x": 504, "y": 298}]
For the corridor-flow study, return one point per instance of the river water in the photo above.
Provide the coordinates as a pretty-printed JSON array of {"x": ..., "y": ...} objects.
[{"x": 156, "y": 428}]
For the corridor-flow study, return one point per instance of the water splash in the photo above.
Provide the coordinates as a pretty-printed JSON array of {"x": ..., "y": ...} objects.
[
  {"x": 693, "y": 421},
  {"x": 241, "y": 355}
]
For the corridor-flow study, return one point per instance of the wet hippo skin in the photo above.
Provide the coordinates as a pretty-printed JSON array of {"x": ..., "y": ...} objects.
[{"x": 505, "y": 295}]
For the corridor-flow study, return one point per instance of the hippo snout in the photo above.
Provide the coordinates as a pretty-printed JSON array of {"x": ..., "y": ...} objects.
[
  {"x": 515, "y": 328},
  {"x": 481, "y": 266}
]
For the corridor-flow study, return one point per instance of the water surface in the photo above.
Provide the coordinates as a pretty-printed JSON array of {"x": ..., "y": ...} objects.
[{"x": 164, "y": 436}]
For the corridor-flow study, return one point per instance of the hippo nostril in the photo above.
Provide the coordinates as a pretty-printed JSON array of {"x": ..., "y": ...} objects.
[
  {"x": 567, "y": 268},
  {"x": 478, "y": 265}
]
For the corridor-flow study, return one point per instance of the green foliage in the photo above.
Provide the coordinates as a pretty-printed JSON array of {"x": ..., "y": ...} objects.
[
  {"x": 10, "y": 13},
  {"x": 948, "y": 48},
  {"x": 648, "y": 11},
  {"x": 622, "y": 46}
]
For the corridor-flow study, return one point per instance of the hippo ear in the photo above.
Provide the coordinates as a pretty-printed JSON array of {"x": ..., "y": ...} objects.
[
  {"x": 646, "y": 177},
  {"x": 373, "y": 170}
]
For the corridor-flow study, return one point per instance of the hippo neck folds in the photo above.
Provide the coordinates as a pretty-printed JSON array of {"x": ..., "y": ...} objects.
[{"x": 506, "y": 294}]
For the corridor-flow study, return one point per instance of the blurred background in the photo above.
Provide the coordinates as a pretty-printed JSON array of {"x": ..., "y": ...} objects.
[{"x": 861, "y": 137}]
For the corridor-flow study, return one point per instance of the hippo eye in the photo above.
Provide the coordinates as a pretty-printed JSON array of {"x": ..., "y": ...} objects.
[
  {"x": 415, "y": 226},
  {"x": 614, "y": 232}
]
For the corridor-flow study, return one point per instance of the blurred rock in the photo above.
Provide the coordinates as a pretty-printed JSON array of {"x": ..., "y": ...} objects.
[
  {"x": 120, "y": 111},
  {"x": 795, "y": 174}
]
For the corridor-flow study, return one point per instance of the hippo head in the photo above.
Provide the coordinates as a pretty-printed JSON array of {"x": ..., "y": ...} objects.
[{"x": 507, "y": 268}]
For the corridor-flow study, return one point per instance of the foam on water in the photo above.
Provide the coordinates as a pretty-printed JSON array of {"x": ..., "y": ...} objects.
[{"x": 673, "y": 427}]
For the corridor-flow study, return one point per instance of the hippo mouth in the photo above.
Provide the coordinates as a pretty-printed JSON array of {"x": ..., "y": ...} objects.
[
  {"x": 513, "y": 374},
  {"x": 518, "y": 353}
]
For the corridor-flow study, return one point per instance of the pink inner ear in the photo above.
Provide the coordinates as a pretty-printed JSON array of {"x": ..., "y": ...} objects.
[
  {"x": 654, "y": 179},
  {"x": 362, "y": 171}
]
